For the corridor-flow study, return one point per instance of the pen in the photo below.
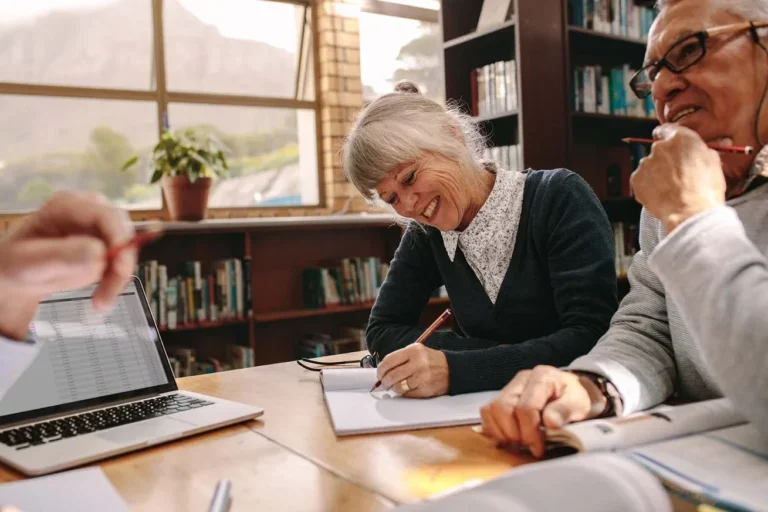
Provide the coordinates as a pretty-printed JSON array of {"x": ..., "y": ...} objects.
[
  {"x": 221, "y": 500},
  {"x": 152, "y": 232},
  {"x": 421, "y": 339},
  {"x": 742, "y": 150}
]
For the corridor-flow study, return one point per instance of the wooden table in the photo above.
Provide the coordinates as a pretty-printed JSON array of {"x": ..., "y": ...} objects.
[{"x": 291, "y": 459}]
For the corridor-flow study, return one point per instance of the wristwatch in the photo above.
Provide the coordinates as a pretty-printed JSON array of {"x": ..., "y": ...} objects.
[{"x": 614, "y": 405}]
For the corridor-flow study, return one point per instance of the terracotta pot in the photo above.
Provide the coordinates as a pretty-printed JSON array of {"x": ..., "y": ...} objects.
[{"x": 186, "y": 200}]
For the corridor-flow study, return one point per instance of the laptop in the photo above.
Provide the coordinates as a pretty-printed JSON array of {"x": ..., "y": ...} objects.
[{"x": 100, "y": 386}]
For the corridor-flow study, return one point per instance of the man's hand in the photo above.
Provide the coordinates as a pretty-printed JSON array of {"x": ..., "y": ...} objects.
[
  {"x": 62, "y": 245},
  {"x": 542, "y": 396},
  {"x": 425, "y": 371},
  {"x": 680, "y": 178}
]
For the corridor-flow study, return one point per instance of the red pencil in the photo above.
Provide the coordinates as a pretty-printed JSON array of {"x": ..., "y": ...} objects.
[
  {"x": 741, "y": 150},
  {"x": 426, "y": 334},
  {"x": 152, "y": 232}
]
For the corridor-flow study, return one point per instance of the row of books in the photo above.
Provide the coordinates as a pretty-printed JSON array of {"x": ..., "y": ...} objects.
[
  {"x": 351, "y": 281},
  {"x": 625, "y": 235},
  {"x": 494, "y": 88},
  {"x": 600, "y": 90},
  {"x": 508, "y": 157},
  {"x": 350, "y": 339},
  {"x": 192, "y": 298},
  {"x": 185, "y": 362},
  {"x": 617, "y": 17}
]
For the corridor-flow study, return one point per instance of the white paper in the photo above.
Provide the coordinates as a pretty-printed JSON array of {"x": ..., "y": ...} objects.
[
  {"x": 81, "y": 490},
  {"x": 593, "y": 482},
  {"x": 729, "y": 466},
  {"x": 355, "y": 410}
]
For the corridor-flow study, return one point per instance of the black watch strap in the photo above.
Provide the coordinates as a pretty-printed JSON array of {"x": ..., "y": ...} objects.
[{"x": 614, "y": 404}]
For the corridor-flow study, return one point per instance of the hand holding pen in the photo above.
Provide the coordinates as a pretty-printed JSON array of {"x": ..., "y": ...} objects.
[{"x": 416, "y": 371}]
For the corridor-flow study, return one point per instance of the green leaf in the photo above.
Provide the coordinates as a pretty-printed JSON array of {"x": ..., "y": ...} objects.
[
  {"x": 156, "y": 176},
  {"x": 130, "y": 163}
]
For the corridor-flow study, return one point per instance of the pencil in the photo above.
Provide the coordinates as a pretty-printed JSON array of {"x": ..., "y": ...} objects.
[
  {"x": 741, "y": 150},
  {"x": 426, "y": 334},
  {"x": 152, "y": 232}
]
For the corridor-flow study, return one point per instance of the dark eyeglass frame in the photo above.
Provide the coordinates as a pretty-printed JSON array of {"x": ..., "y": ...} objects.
[
  {"x": 368, "y": 361},
  {"x": 643, "y": 90}
]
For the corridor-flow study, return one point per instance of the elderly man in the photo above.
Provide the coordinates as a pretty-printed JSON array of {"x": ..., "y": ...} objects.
[{"x": 694, "y": 322}]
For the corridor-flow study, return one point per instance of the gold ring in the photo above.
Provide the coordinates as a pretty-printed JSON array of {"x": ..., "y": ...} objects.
[{"x": 405, "y": 386}]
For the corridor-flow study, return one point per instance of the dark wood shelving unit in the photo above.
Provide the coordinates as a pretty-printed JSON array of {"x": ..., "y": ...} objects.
[
  {"x": 205, "y": 325},
  {"x": 476, "y": 37},
  {"x": 277, "y": 316}
]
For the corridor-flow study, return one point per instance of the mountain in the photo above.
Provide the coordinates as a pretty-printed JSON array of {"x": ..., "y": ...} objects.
[{"x": 111, "y": 47}]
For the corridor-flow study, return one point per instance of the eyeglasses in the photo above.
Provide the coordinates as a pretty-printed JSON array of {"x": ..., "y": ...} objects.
[{"x": 684, "y": 54}]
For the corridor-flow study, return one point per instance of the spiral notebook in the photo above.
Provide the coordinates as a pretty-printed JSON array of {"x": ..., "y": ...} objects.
[{"x": 355, "y": 410}]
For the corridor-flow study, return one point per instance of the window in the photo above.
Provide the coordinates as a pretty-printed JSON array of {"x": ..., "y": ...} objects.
[
  {"x": 82, "y": 89},
  {"x": 394, "y": 49}
]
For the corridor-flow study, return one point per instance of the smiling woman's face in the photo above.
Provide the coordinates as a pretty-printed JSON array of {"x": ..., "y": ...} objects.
[
  {"x": 428, "y": 191},
  {"x": 718, "y": 96}
]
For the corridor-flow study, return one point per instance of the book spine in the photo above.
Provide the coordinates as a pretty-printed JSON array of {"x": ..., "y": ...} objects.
[
  {"x": 163, "y": 295},
  {"x": 239, "y": 288},
  {"x": 173, "y": 303},
  {"x": 198, "y": 280},
  {"x": 248, "y": 286}
]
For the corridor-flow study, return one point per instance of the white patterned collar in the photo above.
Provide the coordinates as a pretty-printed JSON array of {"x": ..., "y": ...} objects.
[{"x": 489, "y": 240}]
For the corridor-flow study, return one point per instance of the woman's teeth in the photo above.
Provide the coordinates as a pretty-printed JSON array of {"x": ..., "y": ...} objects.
[
  {"x": 430, "y": 209},
  {"x": 684, "y": 113}
]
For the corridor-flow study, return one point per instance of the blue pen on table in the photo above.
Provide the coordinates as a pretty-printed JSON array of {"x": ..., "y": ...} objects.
[{"x": 221, "y": 499}]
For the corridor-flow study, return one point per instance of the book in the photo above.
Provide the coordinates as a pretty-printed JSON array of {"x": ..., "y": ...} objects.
[
  {"x": 702, "y": 452},
  {"x": 355, "y": 410},
  {"x": 494, "y": 12}
]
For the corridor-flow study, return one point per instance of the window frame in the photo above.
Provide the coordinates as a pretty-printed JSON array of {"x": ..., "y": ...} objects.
[{"x": 161, "y": 96}]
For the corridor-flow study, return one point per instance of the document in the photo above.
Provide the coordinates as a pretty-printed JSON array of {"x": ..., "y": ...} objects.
[
  {"x": 81, "y": 490},
  {"x": 355, "y": 410}
]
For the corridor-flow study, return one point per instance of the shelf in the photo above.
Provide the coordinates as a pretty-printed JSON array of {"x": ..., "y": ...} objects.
[
  {"x": 495, "y": 117},
  {"x": 292, "y": 314},
  {"x": 585, "y": 32},
  {"x": 610, "y": 128},
  {"x": 206, "y": 325},
  {"x": 473, "y": 36},
  {"x": 615, "y": 118}
]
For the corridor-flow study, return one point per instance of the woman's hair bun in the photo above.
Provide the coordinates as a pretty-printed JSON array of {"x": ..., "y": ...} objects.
[{"x": 407, "y": 86}]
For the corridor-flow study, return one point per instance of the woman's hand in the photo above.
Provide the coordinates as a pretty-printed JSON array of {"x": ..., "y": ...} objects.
[
  {"x": 680, "y": 178},
  {"x": 62, "y": 245},
  {"x": 415, "y": 371}
]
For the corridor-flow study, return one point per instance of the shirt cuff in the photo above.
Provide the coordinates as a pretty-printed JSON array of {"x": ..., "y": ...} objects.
[
  {"x": 15, "y": 357},
  {"x": 628, "y": 387}
]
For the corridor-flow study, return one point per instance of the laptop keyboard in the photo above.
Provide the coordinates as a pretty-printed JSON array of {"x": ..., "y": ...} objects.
[{"x": 55, "y": 430}]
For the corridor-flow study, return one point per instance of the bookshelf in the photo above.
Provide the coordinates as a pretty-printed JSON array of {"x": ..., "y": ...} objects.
[
  {"x": 279, "y": 250},
  {"x": 548, "y": 46}
]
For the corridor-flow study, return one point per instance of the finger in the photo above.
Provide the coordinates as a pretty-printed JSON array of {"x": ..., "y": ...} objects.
[
  {"x": 490, "y": 427},
  {"x": 506, "y": 420},
  {"x": 71, "y": 213},
  {"x": 528, "y": 413},
  {"x": 665, "y": 131},
  {"x": 517, "y": 384},
  {"x": 49, "y": 265},
  {"x": 117, "y": 274},
  {"x": 393, "y": 360}
]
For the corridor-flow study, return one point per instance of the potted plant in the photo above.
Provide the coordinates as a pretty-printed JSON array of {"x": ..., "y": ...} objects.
[{"x": 185, "y": 163}]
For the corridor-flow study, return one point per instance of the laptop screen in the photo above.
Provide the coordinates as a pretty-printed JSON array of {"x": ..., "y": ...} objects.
[{"x": 88, "y": 357}]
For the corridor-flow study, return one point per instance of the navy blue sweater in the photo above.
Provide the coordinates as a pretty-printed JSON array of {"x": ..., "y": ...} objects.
[{"x": 555, "y": 302}]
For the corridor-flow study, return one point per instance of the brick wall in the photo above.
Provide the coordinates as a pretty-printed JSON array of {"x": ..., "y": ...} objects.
[{"x": 341, "y": 97}]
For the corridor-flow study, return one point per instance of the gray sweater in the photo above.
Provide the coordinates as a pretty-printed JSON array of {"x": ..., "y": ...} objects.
[{"x": 695, "y": 321}]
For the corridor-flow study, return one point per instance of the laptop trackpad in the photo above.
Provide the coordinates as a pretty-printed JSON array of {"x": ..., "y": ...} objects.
[{"x": 143, "y": 431}]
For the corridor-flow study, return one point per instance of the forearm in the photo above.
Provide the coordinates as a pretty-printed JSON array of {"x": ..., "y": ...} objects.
[{"x": 719, "y": 280}]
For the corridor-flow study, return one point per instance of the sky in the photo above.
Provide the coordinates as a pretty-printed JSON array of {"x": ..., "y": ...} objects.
[{"x": 381, "y": 37}]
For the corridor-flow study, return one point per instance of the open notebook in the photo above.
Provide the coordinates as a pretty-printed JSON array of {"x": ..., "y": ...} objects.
[{"x": 354, "y": 410}]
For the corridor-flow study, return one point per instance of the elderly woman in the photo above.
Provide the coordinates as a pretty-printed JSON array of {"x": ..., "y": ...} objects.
[
  {"x": 526, "y": 258},
  {"x": 694, "y": 323}
]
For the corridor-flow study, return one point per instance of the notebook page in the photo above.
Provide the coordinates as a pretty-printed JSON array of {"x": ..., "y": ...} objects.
[
  {"x": 82, "y": 490},
  {"x": 336, "y": 379},
  {"x": 594, "y": 482},
  {"x": 730, "y": 466},
  {"x": 357, "y": 411}
]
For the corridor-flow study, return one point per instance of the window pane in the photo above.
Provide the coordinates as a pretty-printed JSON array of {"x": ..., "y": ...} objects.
[
  {"x": 426, "y": 4},
  {"x": 89, "y": 43},
  {"x": 247, "y": 47},
  {"x": 49, "y": 144},
  {"x": 394, "y": 49},
  {"x": 272, "y": 153}
]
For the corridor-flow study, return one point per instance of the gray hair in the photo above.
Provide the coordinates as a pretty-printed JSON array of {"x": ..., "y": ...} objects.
[
  {"x": 755, "y": 10},
  {"x": 403, "y": 126}
]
